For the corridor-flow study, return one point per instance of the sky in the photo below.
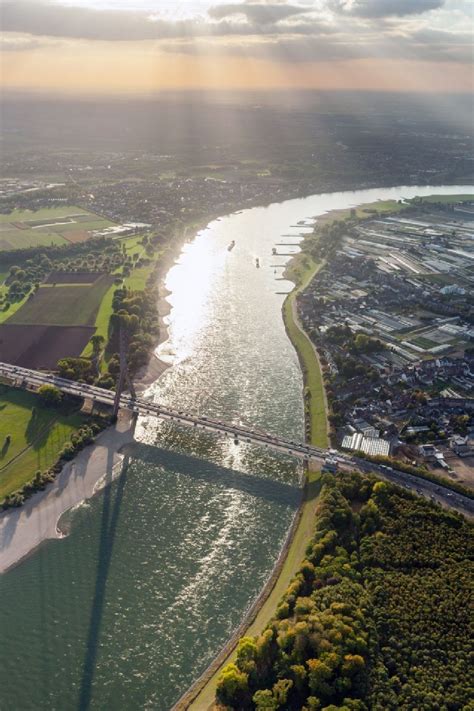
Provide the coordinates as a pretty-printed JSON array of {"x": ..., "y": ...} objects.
[{"x": 122, "y": 47}]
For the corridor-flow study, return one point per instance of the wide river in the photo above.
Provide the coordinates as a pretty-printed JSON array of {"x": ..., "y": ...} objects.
[{"x": 159, "y": 568}]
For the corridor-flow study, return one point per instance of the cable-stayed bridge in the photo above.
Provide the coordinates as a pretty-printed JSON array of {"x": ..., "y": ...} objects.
[
  {"x": 22, "y": 377},
  {"x": 143, "y": 406}
]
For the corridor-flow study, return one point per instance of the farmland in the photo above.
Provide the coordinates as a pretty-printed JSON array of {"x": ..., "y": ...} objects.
[
  {"x": 37, "y": 436},
  {"x": 50, "y": 226},
  {"x": 63, "y": 305},
  {"x": 41, "y": 346},
  {"x": 56, "y": 321},
  {"x": 73, "y": 277}
]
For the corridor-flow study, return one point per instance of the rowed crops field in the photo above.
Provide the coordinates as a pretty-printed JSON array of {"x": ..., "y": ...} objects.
[{"x": 63, "y": 305}]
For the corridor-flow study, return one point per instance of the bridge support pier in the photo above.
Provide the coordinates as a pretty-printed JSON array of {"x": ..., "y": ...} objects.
[{"x": 124, "y": 375}]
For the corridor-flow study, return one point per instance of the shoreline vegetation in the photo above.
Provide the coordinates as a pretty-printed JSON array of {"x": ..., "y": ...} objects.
[{"x": 355, "y": 627}]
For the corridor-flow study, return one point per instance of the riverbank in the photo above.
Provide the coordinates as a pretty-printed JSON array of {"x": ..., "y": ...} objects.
[
  {"x": 201, "y": 696},
  {"x": 23, "y": 529},
  {"x": 155, "y": 366},
  {"x": 316, "y": 405}
]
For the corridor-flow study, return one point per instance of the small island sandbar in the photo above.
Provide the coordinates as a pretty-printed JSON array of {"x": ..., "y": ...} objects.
[{"x": 23, "y": 529}]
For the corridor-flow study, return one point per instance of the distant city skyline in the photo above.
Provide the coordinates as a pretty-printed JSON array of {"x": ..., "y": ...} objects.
[{"x": 123, "y": 47}]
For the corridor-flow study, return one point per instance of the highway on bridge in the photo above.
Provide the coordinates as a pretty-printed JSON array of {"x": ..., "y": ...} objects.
[{"x": 240, "y": 433}]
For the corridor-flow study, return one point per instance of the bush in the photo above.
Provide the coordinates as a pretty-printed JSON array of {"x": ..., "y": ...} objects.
[{"x": 50, "y": 395}]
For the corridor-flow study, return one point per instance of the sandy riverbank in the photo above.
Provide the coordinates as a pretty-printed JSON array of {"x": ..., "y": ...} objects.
[
  {"x": 25, "y": 528},
  {"x": 155, "y": 366}
]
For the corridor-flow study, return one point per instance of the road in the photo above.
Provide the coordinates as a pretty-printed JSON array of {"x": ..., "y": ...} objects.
[{"x": 240, "y": 433}]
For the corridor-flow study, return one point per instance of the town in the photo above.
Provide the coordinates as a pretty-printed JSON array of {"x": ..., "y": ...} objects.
[{"x": 391, "y": 314}]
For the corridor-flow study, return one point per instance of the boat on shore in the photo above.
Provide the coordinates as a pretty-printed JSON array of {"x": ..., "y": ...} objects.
[
  {"x": 257, "y": 263},
  {"x": 231, "y": 246}
]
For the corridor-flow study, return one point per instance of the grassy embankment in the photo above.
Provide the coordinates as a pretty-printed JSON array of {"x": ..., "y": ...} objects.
[
  {"x": 301, "y": 270},
  {"x": 446, "y": 199},
  {"x": 37, "y": 433},
  {"x": 296, "y": 553}
]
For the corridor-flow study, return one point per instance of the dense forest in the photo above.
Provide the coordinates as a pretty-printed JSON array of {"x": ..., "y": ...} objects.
[{"x": 377, "y": 616}]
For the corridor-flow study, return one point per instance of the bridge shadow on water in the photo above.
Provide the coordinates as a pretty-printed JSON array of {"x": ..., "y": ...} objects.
[
  {"x": 112, "y": 501},
  {"x": 261, "y": 487},
  {"x": 112, "y": 497}
]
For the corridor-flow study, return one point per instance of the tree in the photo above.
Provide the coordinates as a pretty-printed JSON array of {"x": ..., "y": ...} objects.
[
  {"x": 265, "y": 701},
  {"x": 50, "y": 395},
  {"x": 232, "y": 687},
  {"x": 97, "y": 341}
]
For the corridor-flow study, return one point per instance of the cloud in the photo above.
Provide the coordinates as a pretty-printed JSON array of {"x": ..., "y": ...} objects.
[
  {"x": 54, "y": 20},
  {"x": 290, "y": 50},
  {"x": 40, "y": 17},
  {"x": 423, "y": 45},
  {"x": 11, "y": 42},
  {"x": 258, "y": 13},
  {"x": 384, "y": 8},
  {"x": 286, "y": 31}
]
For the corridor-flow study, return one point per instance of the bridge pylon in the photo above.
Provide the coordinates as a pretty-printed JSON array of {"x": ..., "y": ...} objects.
[{"x": 124, "y": 375}]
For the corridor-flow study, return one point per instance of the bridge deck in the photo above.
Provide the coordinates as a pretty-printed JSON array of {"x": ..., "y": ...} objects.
[{"x": 21, "y": 376}]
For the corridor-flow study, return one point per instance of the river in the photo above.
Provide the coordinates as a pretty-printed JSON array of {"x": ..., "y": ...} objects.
[{"x": 159, "y": 568}]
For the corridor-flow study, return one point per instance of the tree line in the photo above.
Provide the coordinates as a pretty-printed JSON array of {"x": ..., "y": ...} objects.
[{"x": 376, "y": 616}]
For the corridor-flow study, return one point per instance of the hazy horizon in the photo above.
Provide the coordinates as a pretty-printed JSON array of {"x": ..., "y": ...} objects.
[{"x": 106, "y": 48}]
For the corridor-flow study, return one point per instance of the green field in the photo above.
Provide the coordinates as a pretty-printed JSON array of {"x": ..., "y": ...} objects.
[
  {"x": 138, "y": 278},
  {"x": 446, "y": 199},
  {"x": 102, "y": 319},
  {"x": 57, "y": 225},
  {"x": 362, "y": 212},
  {"x": 14, "y": 307},
  {"x": 69, "y": 305},
  {"x": 423, "y": 342},
  {"x": 43, "y": 214},
  {"x": 37, "y": 436}
]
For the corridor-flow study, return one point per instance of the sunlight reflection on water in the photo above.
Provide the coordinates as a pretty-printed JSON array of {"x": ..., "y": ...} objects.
[{"x": 159, "y": 567}]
